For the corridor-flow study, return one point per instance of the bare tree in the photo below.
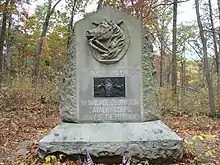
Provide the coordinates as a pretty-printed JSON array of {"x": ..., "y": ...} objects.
[
  {"x": 8, "y": 41},
  {"x": 74, "y": 6},
  {"x": 174, "y": 48},
  {"x": 183, "y": 69},
  {"x": 205, "y": 60},
  {"x": 218, "y": 3},
  {"x": 50, "y": 11},
  {"x": 162, "y": 35},
  {"x": 215, "y": 47},
  {"x": 8, "y": 46},
  {"x": 70, "y": 26},
  {"x": 2, "y": 38}
]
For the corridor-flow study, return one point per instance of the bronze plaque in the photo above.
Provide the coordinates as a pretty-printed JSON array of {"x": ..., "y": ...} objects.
[{"x": 109, "y": 87}]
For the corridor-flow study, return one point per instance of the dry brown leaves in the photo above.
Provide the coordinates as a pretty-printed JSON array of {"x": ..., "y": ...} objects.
[
  {"x": 24, "y": 122},
  {"x": 190, "y": 127}
]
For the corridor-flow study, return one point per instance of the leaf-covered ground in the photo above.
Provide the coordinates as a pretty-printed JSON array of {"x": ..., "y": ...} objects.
[{"x": 23, "y": 123}]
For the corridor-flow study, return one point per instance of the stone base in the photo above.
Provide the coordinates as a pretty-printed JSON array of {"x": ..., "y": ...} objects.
[{"x": 153, "y": 140}]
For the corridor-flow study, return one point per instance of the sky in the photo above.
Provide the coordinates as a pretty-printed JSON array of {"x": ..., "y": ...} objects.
[
  {"x": 185, "y": 10},
  {"x": 186, "y": 13}
]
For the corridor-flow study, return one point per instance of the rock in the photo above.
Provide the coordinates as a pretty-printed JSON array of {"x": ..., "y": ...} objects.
[{"x": 153, "y": 140}]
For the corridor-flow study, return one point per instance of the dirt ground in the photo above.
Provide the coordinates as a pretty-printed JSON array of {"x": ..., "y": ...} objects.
[{"x": 22, "y": 127}]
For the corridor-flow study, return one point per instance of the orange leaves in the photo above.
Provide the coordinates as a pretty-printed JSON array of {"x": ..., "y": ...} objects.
[
  {"x": 8, "y": 9},
  {"x": 137, "y": 8}
]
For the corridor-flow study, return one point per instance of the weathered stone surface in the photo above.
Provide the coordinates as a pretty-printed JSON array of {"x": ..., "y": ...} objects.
[
  {"x": 149, "y": 96},
  {"x": 68, "y": 89},
  {"x": 78, "y": 103},
  {"x": 151, "y": 140}
]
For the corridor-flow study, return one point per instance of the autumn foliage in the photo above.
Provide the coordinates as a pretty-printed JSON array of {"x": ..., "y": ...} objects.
[{"x": 29, "y": 110}]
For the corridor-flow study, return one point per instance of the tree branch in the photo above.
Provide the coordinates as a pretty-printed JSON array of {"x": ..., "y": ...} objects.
[
  {"x": 54, "y": 6},
  {"x": 199, "y": 53},
  {"x": 165, "y": 4}
]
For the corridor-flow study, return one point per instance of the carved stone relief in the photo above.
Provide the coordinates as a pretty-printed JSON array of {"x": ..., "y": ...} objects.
[{"x": 108, "y": 41}]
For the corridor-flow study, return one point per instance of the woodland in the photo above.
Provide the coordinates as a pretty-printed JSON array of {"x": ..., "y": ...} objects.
[{"x": 33, "y": 46}]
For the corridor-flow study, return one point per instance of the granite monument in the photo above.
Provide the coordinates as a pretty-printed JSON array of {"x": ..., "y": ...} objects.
[{"x": 108, "y": 94}]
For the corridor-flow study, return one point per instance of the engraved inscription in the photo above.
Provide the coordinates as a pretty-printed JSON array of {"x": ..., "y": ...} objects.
[
  {"x": 112, "y": 117},
  {"x": 110, "y": 110},
  {"x": 114, "y": 109},
  {"x": 109, "y": 102},
  {"x": 119, "y": 73},
  {"x": 109, "y": 87}
]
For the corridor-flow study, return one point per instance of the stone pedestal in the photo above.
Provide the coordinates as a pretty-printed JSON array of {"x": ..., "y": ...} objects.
[{"x": 153, "y": 140}]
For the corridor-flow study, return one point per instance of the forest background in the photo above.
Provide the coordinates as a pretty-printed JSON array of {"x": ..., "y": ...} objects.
[{"x": 34, "y": 38}]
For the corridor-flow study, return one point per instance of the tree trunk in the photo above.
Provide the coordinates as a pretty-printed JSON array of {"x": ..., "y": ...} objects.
[
  {"x": 2, "y": 39},
  {"x": 40, "y": 47},
  {"x": 36, "y": 70},
  {"x": 161, "y": 60},
  {"x": 54, "y": 63},
  {"x": 174, "y": 48},
  {"x": 8, "y": 45},
  {"x": 70, "y": 26},
  {"x": 215, "y": 47},
  {"x": 183, "y": 69},
  {"x": 218, "y": 60},
  {"x": 205, "y": 61},
  {"x": 183, "y": 75}
]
